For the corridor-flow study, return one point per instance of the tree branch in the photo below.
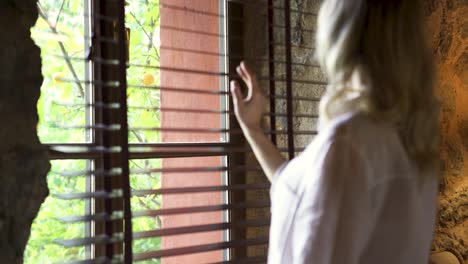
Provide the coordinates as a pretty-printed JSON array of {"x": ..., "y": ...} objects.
[
  {"x": 60, "y": 12},
  {"x": 138, "y": 136},
  {"x": 150, "y": 37},
  {"x": 64, "y": 51}
]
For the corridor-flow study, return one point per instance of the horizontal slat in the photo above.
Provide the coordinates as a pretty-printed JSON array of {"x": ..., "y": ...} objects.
[
  {"x": 102, "y": 61},
  {"x": 142, "y": 152},
  {"x": 163, "y": 152},
  {"x": 190, "y": 10},
  {"x": 197, "y": 32},
  {"x": 98, "y": 260},
  {"x": 185, "y": 130},
  {"x": 212, "y": 111},
  {"x": 117, "y": 215},
  {"x": 182, "y": 110},
  {"x": 89, "y": 195},
  {"x": 218, "y": 130},
  {"x": 226, "y": 74},
  {"x": 200, "y": 228},
  {"x": 199, "y": 248},
  {"x": 201, "y": 209},
  {"x": 182, "y": 70},
  {"x": 195, "y": 169},
  {"x": 101, "y": 127},
  {"x": 78, "y": 151},
  {"x": 188, "y": 130},
  {"x": 187, "y": 170},
  {"x": 250, "y": 260},
  {"x": 145, "y": 151},
  {"x": 99, "y": 173},
  {"x": 181, "y": 190},
  {"x": 100, "y": 239},
  {"x": 216, "y": 92},
  {"x": 154, "y": 150},
  {"x": 100, "y": 105},
  {"x": 249, "y": 58},
  {"x": 98, "y": 83},
  {"x": 185, "y": 145},
  {"x": 184, "y": 190},
  {"x": 181, "y": 89}
]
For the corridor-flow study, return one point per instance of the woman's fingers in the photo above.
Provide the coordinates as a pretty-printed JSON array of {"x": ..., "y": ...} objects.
[
  {"x": 241, "y": 74},
  {"x": 246, "y": 79},
  {"x": 252, "y": 79},
  {"x": 246, "y": 70},
  {"x": 236, "y": 95},
  {"x": 249, "y": 78}
]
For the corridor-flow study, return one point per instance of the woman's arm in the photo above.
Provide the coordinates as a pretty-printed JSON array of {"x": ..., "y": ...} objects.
[{"x": 249, "y": 113}]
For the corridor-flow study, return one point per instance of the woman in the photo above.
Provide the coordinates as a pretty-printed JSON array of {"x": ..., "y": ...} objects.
[{"x": 364, "y": 191}]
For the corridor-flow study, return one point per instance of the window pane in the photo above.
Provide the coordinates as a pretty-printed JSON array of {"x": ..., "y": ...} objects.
[
  {"x": 164, "y": 174},
  {"x": 46, "y": 228},
  {"x": 176, "y": 77},
  {"x": 59, "y": 32},
  {"x": 142, "y": 18}
]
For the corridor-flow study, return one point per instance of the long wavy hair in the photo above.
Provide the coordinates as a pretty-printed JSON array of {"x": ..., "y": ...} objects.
[{"x": 383, "y": 42}]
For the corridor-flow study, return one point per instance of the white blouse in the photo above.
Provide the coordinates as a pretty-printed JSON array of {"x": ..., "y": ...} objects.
[{"x": 353, "y": 196}]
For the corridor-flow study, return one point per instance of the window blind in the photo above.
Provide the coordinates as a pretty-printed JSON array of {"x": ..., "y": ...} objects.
[{"x": 169, "y": 176}]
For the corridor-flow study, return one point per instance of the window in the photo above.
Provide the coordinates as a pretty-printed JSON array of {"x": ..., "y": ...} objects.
[
  {"x": 63, "y": 33},
  {"x": 168, "y": 105},
  {"x": 149, "y": 165}
]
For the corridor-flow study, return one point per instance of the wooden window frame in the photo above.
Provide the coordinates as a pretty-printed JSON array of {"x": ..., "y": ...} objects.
[
  {"x": 106, "y": 161},
  {"x": 107, "y": 140}
]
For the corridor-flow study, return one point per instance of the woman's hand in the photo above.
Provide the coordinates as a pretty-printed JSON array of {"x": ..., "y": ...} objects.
[
  {"x": 248, "y": 110},
  {"x": 249, "y": 113}
]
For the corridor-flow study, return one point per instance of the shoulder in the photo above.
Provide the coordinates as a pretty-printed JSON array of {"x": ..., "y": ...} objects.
[
  {"x": 366, "y": 134},
  {"x": 350, "y": 126},
  {"x": 374, "y": 142},
  {"x": 343, "y": 131},
  {"x": 344, "y": 148}
]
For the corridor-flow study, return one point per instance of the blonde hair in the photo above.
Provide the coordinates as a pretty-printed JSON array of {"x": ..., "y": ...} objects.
[{"x": 383, "y": 42}]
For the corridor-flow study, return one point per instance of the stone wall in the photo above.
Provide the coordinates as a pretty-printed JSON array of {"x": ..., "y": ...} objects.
[
  {"x": 448, "y": 29},
  {"x": 23, "y": 163}
]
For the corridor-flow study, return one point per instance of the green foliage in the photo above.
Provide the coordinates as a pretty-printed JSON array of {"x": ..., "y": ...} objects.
[
  {"x": 142, "y": 18},
  {"x": 55, "y": 91},
  {"x": 46, "y": 228},
  {"x": 146, "y": 181},
  {"x": 63, "y": 104}
]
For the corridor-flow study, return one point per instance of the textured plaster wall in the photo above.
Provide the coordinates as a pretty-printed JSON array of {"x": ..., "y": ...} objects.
[
  {"x": 23, "y": 161},
  {"x": 448, "y": 32}
]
